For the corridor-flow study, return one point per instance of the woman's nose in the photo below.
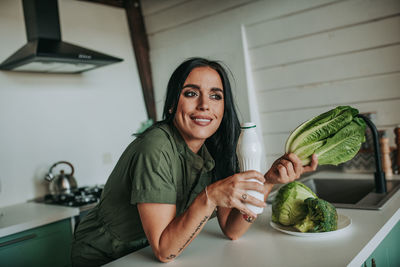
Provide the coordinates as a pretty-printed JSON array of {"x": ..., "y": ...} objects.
[{"x": 203, "y": 102}]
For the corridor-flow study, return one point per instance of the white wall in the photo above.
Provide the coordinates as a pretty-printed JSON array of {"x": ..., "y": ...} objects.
[
  {"x": 181, "y": 29},
  {"x": 311, "y": 60},
  {"x": 305, "y": 56},
  {"x": 86, "y": 119}
]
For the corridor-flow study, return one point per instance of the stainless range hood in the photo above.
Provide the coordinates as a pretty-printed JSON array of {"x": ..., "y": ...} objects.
[{"x": 45, "y": 51}]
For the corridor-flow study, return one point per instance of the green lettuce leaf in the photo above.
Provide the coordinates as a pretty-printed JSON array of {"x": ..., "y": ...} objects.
[
  {"x": 344, "y": 145},
  {"x": 288, "y": 206},
  {"x": 305, "y": 152},
  {"x": 335, "y": 136},
  {"x": 320, "y": 129},
  {"x": 324, "y": 117}
]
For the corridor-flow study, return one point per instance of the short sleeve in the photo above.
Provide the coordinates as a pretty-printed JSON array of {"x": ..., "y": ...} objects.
[{"x": 152, "y": 180}]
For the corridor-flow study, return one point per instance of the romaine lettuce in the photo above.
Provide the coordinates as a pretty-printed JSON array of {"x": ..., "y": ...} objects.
[{"x": 335, "y": 136}]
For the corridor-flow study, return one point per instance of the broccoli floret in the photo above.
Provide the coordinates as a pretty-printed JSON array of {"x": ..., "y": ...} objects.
[
  {"x": 288, "y": 207},
  {"x": 321, "y": 217}
]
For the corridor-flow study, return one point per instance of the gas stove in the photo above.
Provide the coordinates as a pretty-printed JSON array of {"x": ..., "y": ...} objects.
[{"x": 80, "y": 197}]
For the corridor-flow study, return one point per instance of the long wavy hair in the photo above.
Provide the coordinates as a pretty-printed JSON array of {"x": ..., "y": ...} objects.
[{"x": 222, "y": 144}]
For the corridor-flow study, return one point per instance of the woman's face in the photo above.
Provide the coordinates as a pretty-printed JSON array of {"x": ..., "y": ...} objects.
[{"x": 201, "y": 106}]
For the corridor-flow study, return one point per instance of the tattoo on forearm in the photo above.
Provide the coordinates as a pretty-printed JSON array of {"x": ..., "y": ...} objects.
[{"x": 194, "y": 233}]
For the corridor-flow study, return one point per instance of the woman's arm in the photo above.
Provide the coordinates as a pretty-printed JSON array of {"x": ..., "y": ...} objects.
[
  {"x": 169, "y": 235},
  {"x": 284, "y": 170}
]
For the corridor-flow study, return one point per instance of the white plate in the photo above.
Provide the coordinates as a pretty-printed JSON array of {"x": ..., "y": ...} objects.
[{"x": 344, "y": 222}]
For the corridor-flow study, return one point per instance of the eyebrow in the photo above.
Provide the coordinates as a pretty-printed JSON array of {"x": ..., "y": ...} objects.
[
  {"x": 192, "y": 86},
  {"x": 195, "y": 86},
  {"x": 216, "y": 89}
]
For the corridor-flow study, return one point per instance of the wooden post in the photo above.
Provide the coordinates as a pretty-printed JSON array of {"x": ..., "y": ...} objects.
[{"x": 141, "y": 48}]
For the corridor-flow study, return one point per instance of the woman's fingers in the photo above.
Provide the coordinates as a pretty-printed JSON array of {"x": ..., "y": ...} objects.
[
  {"x": 282, "y": 172},
  {"x": 252, "y": 175},
  {"x": 297, "y": 164},
  {"x": 232, "y": 191},
  {"x": 288, "y": 167},
  {"x": 313, "y": 165},
  {"x": 248, "y": 199},
  {"x": 238, "y": 202},
  {"x": 245, "y": 210},
  {"x": 247, "y": 185}
]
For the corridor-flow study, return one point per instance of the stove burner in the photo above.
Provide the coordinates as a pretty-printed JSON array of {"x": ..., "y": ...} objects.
[{"x": 79, "y": 197}]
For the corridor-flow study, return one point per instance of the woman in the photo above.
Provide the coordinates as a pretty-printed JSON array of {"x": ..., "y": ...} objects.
[{"x": 169, "y": 181}]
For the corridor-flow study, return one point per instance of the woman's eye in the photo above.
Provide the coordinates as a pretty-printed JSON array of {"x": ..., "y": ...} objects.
[
  {"x": 216, "y": 97},
  {"x": 189, "y": 94}
]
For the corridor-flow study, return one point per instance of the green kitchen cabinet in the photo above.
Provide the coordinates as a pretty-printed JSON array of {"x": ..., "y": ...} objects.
[
  {"x": 48, "y": 245},
  {"x": 388, "y": 251}
]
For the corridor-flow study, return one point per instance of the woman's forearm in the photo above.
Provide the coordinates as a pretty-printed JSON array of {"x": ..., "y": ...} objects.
[
  {"x": 234, "y": 226},
  {"x": 184, "y": 228}
]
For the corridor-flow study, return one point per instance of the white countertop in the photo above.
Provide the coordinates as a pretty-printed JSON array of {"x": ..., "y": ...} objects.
[
  {"x": 264, "y": 246},
  {"x": 25, "y": 216}
]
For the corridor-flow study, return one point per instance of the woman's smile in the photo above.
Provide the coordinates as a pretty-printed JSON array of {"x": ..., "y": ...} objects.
[
  {"x": 201, "y": 120},
  {"x": 201, "y": 106}
]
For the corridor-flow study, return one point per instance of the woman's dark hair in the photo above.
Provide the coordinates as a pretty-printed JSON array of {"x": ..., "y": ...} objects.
[{"x": 222, "y": 144}]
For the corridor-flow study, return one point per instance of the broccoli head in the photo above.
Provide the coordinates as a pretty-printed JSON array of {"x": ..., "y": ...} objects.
[
  {"x": 321, "y": 217},
  {"x": 288, "y": 207}
]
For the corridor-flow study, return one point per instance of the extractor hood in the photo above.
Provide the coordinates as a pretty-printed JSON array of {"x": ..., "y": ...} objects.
[{"x": 45, "y": 51}]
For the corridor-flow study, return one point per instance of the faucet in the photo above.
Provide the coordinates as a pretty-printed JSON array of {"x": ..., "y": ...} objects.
[{"x": 380, "y": 179}]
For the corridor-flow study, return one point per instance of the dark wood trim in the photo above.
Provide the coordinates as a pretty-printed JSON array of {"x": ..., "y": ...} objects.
[
  {"x": 140, "y": 47},
  {"x": 115, "y": 3},
  {"x": 142, "y": 53}
]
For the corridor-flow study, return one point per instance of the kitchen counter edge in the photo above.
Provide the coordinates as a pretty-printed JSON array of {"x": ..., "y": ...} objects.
[{"x": 25, "y": 216}]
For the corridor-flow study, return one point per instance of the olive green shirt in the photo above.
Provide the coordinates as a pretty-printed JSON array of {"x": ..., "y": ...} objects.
[{"x": 157, "y": 167}]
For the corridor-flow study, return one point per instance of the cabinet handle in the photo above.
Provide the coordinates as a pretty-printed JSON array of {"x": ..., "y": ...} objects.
[{"x": 17, "y": 240}]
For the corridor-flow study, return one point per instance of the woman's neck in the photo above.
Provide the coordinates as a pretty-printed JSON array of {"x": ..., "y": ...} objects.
[
  {"x": 195, "y": 147},
  {"x": 193, "y": 144}
]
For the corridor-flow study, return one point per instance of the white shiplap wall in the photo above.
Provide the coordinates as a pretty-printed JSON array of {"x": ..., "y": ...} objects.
[
  {"x": 181, "y": 29},
  {"x": 341, "y": 53},
  {"x": 209, "y": 29},
  {"x": 304, "y": 56}
]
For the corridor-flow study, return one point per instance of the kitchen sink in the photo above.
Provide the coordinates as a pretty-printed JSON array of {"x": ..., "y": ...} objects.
[
  {"x": 350, "y": 193},
  {"x": 371, "y": 194}
]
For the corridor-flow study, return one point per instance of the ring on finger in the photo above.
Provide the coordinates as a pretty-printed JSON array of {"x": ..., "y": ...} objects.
[
  {"x": 244, "y": 196},
  {"x": 248, "y": 218}
]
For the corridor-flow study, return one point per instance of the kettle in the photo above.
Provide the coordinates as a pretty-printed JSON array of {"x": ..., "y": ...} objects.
[{"x": 61, "y": 183}]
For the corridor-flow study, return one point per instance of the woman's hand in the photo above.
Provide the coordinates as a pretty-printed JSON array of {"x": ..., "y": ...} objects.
[
  {"x": 231, "y": 192},
  {"x": 289, "y": 168}
]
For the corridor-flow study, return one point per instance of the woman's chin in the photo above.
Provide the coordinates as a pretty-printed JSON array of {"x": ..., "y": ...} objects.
[{"x": 203, "y": 132}]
